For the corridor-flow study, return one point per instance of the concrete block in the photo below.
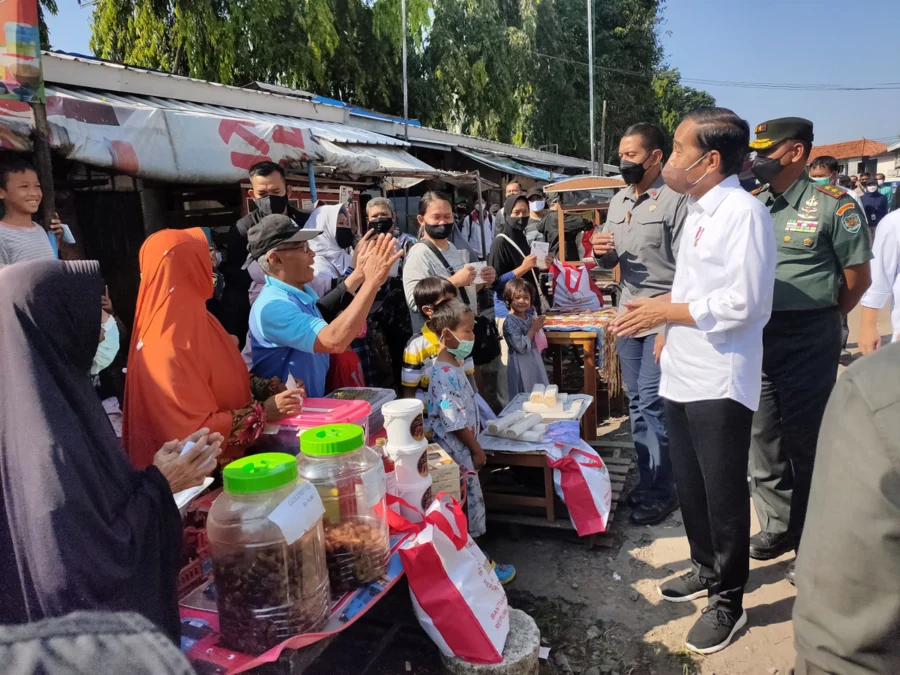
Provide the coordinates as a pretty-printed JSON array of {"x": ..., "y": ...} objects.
[{"x": 520, "y": 655}]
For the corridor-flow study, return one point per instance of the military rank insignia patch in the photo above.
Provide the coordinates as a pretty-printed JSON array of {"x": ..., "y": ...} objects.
[
  {"x": 831, "y": 191},
  {"x": 843, "y": 209},
  {"x": 851, "y": 222}
]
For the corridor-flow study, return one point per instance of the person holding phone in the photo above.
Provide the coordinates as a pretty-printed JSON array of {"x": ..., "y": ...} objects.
[
  {"x": 80, "y": 529},
  {"x": 20, "y": 194}
]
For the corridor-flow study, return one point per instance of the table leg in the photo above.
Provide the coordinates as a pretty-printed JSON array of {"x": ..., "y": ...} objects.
[
  {"x": 557, "y": 365},
  {"x": 590, "y": 387},
  {"x": 549, "y": 494}
]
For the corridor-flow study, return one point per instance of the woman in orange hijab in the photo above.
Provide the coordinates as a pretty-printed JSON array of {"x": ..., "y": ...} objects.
[{"x": 184, "y": 371}]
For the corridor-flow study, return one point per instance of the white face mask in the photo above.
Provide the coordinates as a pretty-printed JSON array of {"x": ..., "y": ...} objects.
[
  {"x": 880, "y": 182},
  {"x": 871, "y": 188},
  {"x": 108, "y": 348},
  {"x": 537, "y": 205}
]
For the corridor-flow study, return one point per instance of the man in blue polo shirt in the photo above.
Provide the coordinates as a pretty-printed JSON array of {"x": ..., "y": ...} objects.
[{"x": 288, "y": 335}]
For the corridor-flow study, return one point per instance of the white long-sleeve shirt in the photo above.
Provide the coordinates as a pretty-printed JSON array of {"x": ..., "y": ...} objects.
[
  {"x": 471, "y": 230},
  {"x": 886, "y": 271},
  {"x": 725, "y": 271}
]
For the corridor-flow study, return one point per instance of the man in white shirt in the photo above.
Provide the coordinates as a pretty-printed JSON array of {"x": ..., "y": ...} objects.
[
  {"x": 472, "y": 231},
  {"x": 711, "y": 363},
  {"x": 885, "y": 285}
]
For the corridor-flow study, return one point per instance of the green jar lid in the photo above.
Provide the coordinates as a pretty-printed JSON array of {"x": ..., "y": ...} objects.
[
  {"x": 258, "y": 473},
  {"x": 331, "y": 440}
]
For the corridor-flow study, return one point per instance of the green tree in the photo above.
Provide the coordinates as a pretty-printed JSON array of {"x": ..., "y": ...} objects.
[{"x": 50, "y": 7}]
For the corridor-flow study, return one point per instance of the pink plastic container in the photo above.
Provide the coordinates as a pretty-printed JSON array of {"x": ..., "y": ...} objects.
[{"x": 283, "y": 436}]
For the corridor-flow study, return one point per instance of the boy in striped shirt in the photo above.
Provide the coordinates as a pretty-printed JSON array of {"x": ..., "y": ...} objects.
[{"x": 20, "y": 193}]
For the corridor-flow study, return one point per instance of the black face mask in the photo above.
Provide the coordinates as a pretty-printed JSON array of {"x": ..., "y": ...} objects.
[
  {"x": 344, "y": 237},
  {"x": 766, "y": 168},
  {"x": 272, "y": 204},
  {"x": 381, "y": 225},
  {"x": 519, "y": 223},
  {"x": 632, "y": 172},
  {"x": 438, "y": 231}
]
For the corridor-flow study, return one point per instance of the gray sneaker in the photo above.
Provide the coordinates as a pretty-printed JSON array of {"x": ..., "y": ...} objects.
[{"x": 689, "y": 586}]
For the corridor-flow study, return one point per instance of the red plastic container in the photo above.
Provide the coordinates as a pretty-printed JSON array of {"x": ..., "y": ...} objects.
[{"x": 317, "y": 412}]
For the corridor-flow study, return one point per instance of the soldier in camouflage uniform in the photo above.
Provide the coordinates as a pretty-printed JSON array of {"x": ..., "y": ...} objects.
[{"x": 822, "y": 272}]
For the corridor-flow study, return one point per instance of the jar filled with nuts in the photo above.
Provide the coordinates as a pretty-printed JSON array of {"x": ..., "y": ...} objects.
[
  {"x": 351, "y": 482},
  {"x": 270, "y": 573}
]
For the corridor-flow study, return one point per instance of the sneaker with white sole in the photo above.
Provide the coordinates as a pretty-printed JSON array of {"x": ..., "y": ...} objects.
[
  {"x": 714, "y": 630},
  {"x": 685, "y": 588}
]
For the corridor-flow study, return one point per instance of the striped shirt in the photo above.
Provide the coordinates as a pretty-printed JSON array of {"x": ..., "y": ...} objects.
[{"x": 23, "y": 243}]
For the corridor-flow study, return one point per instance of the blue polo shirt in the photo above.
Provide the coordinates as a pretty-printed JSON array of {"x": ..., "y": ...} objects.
[{"x": 284, "y": 323}]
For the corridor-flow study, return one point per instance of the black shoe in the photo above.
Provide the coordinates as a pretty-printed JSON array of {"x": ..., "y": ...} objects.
[
  {"x": 789, "y": 573},
  {"x": 687, "y": 587},
  {"x": 714, "y": 630},
  {"x": 766, "y": 546},
  {"x": 636, "y": 497},
  {"x": 654, "y": 510}
]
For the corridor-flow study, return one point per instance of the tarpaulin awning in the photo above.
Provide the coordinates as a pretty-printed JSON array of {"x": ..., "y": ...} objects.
[
  {"x": 507, "y": 165},
  {"x": 177, "y": 141}
]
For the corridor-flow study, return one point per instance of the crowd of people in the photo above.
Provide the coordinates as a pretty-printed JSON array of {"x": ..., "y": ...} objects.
[{"x": 729, "y": 334}]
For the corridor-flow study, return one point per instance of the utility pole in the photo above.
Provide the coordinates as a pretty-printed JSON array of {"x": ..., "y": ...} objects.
[
  {"x": 603, "y": 140},
  {"x": 590, "y": 19},
  {"x": 44, "y": 167},
  {"x": 405, "y": 91}
]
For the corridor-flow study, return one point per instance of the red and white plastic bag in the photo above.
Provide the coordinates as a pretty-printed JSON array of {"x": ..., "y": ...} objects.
[
  {"x": 573, "y": 288},
  {"x": 455, "y": 594},
  {"x": 581, "y": 480}
]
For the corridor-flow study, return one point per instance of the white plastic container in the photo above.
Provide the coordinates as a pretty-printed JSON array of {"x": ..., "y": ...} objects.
[
  {"x": 404, "y": 423},
  {"x": 418, "y": 496},
  {"x": 410, "y": 462}
]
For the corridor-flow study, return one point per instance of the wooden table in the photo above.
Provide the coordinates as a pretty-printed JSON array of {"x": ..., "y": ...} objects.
[{"x": 587, "y": 340}]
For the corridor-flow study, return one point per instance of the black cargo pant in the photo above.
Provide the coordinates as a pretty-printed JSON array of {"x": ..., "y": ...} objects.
[
  {"x": 708, "y": 444},
  {"x": 800, "y": 359}
]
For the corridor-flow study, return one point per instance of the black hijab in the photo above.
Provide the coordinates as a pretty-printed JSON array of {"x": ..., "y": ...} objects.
[
  {"x": 503, "y": 256},
  {"x": 79, "y": 528}
]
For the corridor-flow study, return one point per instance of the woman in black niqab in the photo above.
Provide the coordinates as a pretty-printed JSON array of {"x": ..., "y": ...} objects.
[
  {"x": 509, "y": 252},
  {"x": 79, "y": 528}
]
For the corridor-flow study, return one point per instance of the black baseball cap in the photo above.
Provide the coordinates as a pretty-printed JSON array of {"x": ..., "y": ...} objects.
[
  {"x": 774, "y": 131},
  {"x": 535, "y": 192},
  {"x": 273, "y": 230}
]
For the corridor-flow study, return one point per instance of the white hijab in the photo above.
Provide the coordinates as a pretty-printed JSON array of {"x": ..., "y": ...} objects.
[{"x": 331, "y": 260}]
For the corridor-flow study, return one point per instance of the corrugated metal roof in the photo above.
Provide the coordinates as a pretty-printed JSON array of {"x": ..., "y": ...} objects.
[
  {"x": 328, "y": 131},
  {"x": 511, "y": 166}
]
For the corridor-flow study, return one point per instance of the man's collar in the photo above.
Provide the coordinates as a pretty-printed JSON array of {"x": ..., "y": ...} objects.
[
  {"x": 306, "y": 295},
  {"x": 652, "y": 192},
  {"x": 709, "y": 202},
  {"x": 798, "y": 188}
]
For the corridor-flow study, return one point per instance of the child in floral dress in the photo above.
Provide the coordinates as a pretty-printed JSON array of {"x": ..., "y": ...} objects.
[{"x": 454, "y": 414}]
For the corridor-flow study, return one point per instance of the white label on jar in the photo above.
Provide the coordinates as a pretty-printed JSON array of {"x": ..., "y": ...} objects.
[
  {"x": 374, "y": 485},
  {"x": 299, "y": 512}
]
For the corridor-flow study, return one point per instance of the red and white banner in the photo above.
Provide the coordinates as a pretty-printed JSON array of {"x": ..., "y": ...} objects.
[
  {"x": 168, "y": 144},
  {"x": 455, "y": 593},
  {"x": 581, "y": 480}
]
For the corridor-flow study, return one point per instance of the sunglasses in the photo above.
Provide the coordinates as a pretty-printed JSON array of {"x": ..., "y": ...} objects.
[{"x": 302, "y": 246}]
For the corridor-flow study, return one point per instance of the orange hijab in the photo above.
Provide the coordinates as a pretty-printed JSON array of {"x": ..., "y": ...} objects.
[{"x": 184, "y": 371}]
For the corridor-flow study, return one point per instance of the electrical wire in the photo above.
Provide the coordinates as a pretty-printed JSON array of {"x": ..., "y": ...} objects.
[{"x": 878, "y": 86}]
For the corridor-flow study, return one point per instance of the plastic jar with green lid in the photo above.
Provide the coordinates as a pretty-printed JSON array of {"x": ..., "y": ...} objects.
[
  {"x": 350, "y": 479},
  {"x": 267, "y": 588}
]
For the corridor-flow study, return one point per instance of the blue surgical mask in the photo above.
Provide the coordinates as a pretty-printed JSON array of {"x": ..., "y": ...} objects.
[
  {"x": 822, "y": 181},
  {"x": 464, "y": 350},
  {"x": 108, "y": 348}
]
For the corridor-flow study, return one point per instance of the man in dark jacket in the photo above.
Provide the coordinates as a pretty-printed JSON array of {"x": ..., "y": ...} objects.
[
  {"x": 269, "y": 194},
  {"x": 848, "y": 570},
  {"x": 875, "y": 204}
]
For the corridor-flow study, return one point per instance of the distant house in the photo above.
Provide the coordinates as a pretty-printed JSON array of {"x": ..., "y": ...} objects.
[
  {"x": 889, "y": 163},
  {"x": 855, "y": 157}
]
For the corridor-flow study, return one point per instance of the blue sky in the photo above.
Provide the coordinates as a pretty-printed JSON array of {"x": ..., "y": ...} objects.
[{"x": 781, "y": 41}]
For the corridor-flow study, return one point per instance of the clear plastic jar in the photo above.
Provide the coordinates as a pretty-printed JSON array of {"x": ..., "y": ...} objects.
[
  {"x": 266, "y": 589},
  {"x": 351, "y": 482}
]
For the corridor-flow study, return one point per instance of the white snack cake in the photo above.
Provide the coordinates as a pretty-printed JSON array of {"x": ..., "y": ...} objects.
[
  {"x": 550, "y": 395},
  {"x": 441, "y": 466},
  {"x": 537, "y": 394}
]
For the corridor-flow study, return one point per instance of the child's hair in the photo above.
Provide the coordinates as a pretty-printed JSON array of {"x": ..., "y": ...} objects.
[
  {"x": 431, "y": 290},
  {"x": 12, "y": 163},
  {"x": 448, "y": 315},
  {"x": 517, "y": 286}
]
